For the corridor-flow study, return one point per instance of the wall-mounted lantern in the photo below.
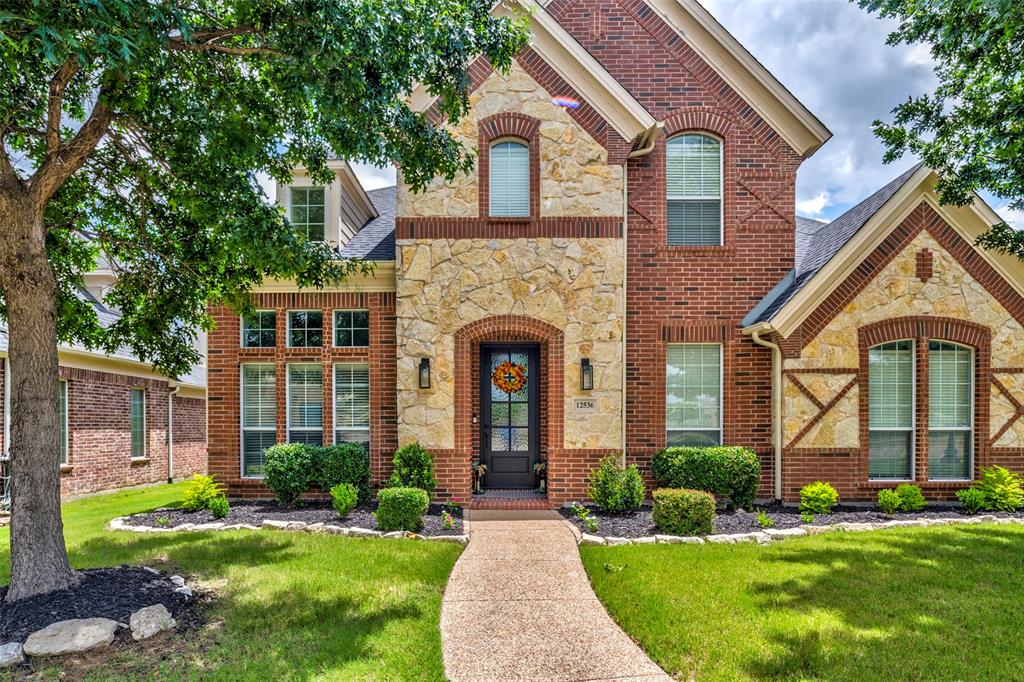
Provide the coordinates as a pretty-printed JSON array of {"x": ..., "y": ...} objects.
[
  {"x": 586, "y": 375},
  {"x": 424, "y": 372}
]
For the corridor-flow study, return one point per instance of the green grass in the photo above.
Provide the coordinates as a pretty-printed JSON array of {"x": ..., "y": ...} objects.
[
  {"x": 904, "y": 604},
  {"x": 289, "y": 606}
]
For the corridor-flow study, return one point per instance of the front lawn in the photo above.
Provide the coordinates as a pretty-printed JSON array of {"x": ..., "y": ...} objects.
[
  {"x": 939, "y": 603},
  {"x": 289, "y": 606}
]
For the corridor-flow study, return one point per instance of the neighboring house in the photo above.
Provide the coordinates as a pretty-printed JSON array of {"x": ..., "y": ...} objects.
[
  {"x": 628, "y": 239},
  {"x": 115, "y": 413}
]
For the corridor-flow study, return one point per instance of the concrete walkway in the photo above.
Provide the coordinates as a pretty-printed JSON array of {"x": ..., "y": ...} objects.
[{"x": 518, "y": 606}]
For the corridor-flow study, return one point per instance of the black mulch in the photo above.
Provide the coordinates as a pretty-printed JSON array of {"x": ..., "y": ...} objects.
[
  {"x": 255, "y": 512},
  {"x": 113, "y": 593},
  {"x": 640, "y": 523}
]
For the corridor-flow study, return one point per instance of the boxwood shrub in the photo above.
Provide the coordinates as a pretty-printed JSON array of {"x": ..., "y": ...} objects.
[
  {"x": 684, "y": 512},
  {"x": 732, "y": 473},
  {"x": 414, "y": 468},
  {"x": 818, "y": 498},
  {"x": 344, "y": 463},
  {"x": 401, "y": 508},
  {"x": 288, "y": 469},
  {"x": 615, "y": 489}
]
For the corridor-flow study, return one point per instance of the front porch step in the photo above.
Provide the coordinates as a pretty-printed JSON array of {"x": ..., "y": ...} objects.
[{"x": 498, "y": 498}]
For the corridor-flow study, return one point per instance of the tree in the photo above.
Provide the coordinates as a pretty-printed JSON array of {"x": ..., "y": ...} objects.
[
  {"x": 971, "y": 129},
  {"x": 133, "y": 130}
]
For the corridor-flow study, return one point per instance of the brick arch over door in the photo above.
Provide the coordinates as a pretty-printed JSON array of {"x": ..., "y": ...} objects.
[{"x": 509, "y": 328}]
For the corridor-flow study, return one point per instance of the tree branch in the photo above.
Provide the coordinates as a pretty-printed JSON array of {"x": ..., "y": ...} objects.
[
  {"x": 207, "y": 41},
  {"x": 55, "y": 104}
]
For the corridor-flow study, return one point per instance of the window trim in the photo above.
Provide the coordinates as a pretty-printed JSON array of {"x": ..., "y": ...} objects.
[
  {"x": 334, "y": 326},
  {"x": 288, "y": 326},
  {"x": 63, "y": 388},
  {"x": 288, "y": 401},
  {"x": 141, "y": 390},
  {"x": 721, "y": 188},
  {"x": 721, "y": 389},
  {"x": 509, "y": 139},
  {"x": 334, "y": 404},
  {"x": 241, "y": 416},
  {"x": 913, "y": 415},
  {"x": 242, "y": 328},
  {"x": 972, "y": 430},
  {"x": 291, "y": 203}
]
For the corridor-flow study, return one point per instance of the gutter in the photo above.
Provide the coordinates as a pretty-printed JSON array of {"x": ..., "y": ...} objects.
[
  {"x": 755, "y": 334},
  {"x": 647, "y": 143},
  {"x": 170, "y": 433}
]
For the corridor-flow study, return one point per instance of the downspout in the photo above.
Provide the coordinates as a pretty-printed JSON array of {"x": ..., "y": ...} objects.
[
  {"x": 648, "y": 141},
  {"x": 170, "y": 433},
  {"x": 776, "y": 406}
]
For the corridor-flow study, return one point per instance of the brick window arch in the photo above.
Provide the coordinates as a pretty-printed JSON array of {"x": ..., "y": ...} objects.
[{"x": 508, "y": 127}]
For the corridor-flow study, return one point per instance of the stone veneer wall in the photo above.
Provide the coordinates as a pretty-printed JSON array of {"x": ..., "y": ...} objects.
[{"x": 575, "y": 177}]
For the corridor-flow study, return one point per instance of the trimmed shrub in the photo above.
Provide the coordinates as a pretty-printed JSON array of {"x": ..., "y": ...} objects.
[
  {"x": 818, "y": 498},
  {"x": 615, "y": 489},
  {"x": 889, "y": 501},
  {"x": 288, "y": 469},
  {"x": 219, "y": 507},
  {"x": 972, "y": 499},
  {"x": 911, "y": 497},
  {"x": 199, "y": 493},
  {"x": 414, "y": 468},
  {"x": 729, "y": 472},
  {"x": 344, "y": 498},
  {"x": 344, "y": 463},
  {"x": 1002, "y": 489},
  {"x": 401, "y": 508},
  {"x": 684, "y": 512}
]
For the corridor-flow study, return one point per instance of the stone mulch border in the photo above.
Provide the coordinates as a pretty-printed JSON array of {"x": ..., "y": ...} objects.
[
  {"x": 300, "y": 526},
  {"x": 769, "y": 535}
]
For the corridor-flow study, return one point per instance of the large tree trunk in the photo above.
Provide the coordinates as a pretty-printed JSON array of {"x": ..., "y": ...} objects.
[{"x": 39, "y": 559}]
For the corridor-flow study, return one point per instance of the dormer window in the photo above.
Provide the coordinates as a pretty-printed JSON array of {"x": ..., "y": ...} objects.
[
  {"x": 307, "y": 212},
  {"x": 694, "y": 188},
  {"x": 510, "y": 179}
]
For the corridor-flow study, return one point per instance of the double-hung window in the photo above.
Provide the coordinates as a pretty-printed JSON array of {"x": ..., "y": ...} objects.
[
  {"x": 891, "y": 411},
  {"x": 305, "y": 404},
  {"x": 351, "y": 328},
  {"x": 693, "y": 400},
  {"x": 510, "y": 179},
  {"x": 259, "y": 415},
  {"x": 259, "y": 330},
  {"x": 307, "y": 212},
  {"x": 950, "y": 411},
  {"x": 305, "y": 328},
  {"x": 62, "y": 420},
  {"x": 352, "y": 403},
  {"x": 138, "y": 423},
  {"x": 694, "y": 188}
]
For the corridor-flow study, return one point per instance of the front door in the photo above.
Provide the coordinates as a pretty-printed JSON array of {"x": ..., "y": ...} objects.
[{"x": 510, "y": 414}]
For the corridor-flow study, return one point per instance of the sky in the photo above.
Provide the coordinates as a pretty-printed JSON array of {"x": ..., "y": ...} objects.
[{"x": 832, "y": 56}]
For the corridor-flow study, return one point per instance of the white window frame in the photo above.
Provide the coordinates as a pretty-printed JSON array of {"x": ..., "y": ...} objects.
[
  {"x": 288, "y": 401},
  {"x": 971, "y": 429},
  {"x": 913, "y": 415},
  {"x": 490, "y": 171},
  {"x": 241, "y": 329},
  {"x": 291, "y": 203},
  {"x": 721, "y": 392},
  {"x": 721, "y": 189},
  {"x": 63, "y": 388},
  {"x": 288, "y": 326},
  {"x": 334, "y": 402},
  {"x": 241, "y": 415},
  {"x": 145, "y": 451},
  {"x": 334, "y": 326}
]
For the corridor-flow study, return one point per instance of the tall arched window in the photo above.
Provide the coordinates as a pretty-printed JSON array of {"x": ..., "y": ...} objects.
[
  {"x": 694, "y": 189},
  {"x": 510, "y": 179}
]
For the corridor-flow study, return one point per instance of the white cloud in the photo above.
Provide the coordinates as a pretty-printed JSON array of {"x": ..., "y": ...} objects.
[
  {"x": 373, "y": 177},
  {"x": 814, "y": 206},
  {"x": 1013, "y": 216}
]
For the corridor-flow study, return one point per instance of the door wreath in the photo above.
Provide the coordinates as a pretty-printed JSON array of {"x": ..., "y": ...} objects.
[{"x": 509, "y": 377}]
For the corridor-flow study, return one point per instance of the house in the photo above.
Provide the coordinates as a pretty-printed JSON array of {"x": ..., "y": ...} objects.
[
  {"x": 121, "y": 423},
  {"x": 623, "y": 270}
]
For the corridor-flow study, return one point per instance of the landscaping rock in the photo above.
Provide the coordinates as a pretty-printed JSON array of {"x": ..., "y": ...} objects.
[
  {"x": 649, "y": 540},
  {"x": 678, "y": 540},
  {"x": 783, "y": 533},
  {"x": 177, "y": 580},
  {"x": 11, "y": 654},
  {"x": 395, "y": 534},
  {"x": 586, "y": 539},
  {"x": 856, "y": 527},
  {"x": 185, "y": 590},
  {"x": 275, "y": 525},
  {"x": 721, "y": 539},
  {"x": 364, "y": 533},
  {"x": 71, "y": 636},
  {"x": 207, "y": 526},
  {"x": 455, "y": 539},
  {"x": 150, "y": 621},
  {"x": 817, "y": 530},
  {"x": 335, "y": 530},
  {"x": 615, "y": 542}
]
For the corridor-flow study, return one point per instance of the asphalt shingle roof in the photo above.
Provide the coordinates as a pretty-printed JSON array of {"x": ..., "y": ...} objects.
[{"x": 376, "y": 239}]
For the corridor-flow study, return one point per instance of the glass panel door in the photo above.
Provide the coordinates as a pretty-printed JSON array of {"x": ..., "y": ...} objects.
[{"x": 509, "y": 402}]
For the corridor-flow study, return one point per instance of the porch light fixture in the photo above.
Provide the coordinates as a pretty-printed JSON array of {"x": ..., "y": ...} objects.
[
  {"x": 586, "y": 375},
  {"x": 424, "y": 372}
]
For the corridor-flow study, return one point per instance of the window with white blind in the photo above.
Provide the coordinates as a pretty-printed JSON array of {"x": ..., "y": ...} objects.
[
  {"x": 693, "y": 400},
  {"x": 351, "y": 328},
  {"x": 891, "y": 411},
  {"x": 305, "y": 404},
  {"x": 694, "y": 188},
  {"x": 950, "y": 411},
  {"x": 138, "y": 422},
  {"x": 62, "y": 420},
  {"x": 352, "y": 404},
  {"x": 259, "y": 330},
  {"x": 510, "y": 179},
  {"x": 259, "y": 415},
  {"x": 305, "y": 328},
  {"x": 307, "y": 212}
]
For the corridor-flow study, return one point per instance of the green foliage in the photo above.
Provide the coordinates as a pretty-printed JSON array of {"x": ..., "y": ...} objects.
[
  {"x": 684, "y": 512},
  {"x": 972, "y": 499},
  {"x": 447, "y": 520},
  {"x": 414, "y": 468},
  {"x": 401, "y": 508},
  {"x": 586, "y": 516},
  {"x": 163, "y": 521},
  {"x": 764, "y": 521},
  {"x": 344, "y": 463},
  {"x": 219, "y": 507},
  {"x": 965, "y": 129},
  {"x": 1002, "y": 489},
  {"x": 201, "y": 489},
  {"x": 888, "y": 501},
  {"x": 818, "y": 498},
  {"x": 807, "y": 517},
  {"x": 344, "y": 498},
  {"x": 729, "y": 472},
  {"x": 288, "y": 469},
  {"x": 911, "y": 497},
  {"x": 616, "y": 489}
]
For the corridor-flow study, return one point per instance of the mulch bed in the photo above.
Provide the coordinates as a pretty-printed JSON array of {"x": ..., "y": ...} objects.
[
  {"x": 113, "y": 593},
  {"x": 256, "y": 511},
  {"x": 640, "y": 523}
]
